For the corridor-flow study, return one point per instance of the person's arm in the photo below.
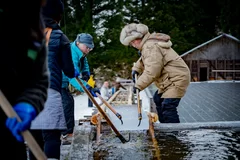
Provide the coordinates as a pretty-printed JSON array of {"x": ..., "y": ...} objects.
[
  {"x": 139, "y": 67},
  {"x": 76, "y": 61},
  {"x": 67, "y": 63},
  {"x": 152, "y": 67},
  {"x": 36, "y": 92},
  {"x": 76, "y": 85}
]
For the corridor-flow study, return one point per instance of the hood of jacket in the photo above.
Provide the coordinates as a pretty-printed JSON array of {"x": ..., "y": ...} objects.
[
  {"x": 162, "y": 39},
  {"x": 75, "y": 48},
  {"x": 49, "y": 22}
]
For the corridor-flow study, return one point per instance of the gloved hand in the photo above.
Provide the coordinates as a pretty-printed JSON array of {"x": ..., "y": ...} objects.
[
  {"x": 26, "y": 113},
  {"x": 85, "y": 76},
  {"x": 76, "y": 73},
  {"x": 133, "y": 75},
  {"x": 135, "y": 90},
  {"x": 93, "y": 90}
]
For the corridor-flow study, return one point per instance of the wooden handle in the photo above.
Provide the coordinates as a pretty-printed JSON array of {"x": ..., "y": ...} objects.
[
  {"x": 99, "y": 108},
  {"x": 138, "y": 99},
  {"x": 106, "y": 103},
  {"x": 154, "y": 140},
  {"x": 32, "y": 144},
  {"x": 135, "y": 78}
]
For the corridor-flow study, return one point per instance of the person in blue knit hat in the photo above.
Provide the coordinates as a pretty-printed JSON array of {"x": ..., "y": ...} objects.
[
  {"x": 80, "y": 49},
  {"x": 51, "y": 120}
]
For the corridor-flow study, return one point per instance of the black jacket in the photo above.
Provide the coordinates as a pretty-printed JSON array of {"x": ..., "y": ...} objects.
[
  {"x": 59, "y": 55},
  {"x": 24, "y": 74}
]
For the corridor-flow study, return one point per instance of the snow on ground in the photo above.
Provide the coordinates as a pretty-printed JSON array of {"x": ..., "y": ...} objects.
[{"x": 81, "y": 106}]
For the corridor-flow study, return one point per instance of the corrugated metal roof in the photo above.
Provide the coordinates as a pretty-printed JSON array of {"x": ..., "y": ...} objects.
[{"x": 222, "y": 35}]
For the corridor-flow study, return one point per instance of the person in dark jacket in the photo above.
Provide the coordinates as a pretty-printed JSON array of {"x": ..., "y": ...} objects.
[
  {"x": 24, "y": 74},
  {"x": 51, "y": 121}
]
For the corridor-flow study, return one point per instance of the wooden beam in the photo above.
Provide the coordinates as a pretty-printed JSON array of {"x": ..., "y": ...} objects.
[
  {"x": 226, "y": 71},
  {"x": 190, "y": 66},
  {"x": 130, "y": 96},
  {"x": 216, "y": 68},
  {"x": 233, "y": 63},
  {"x": 198, "y": 70},
  {"x": 99, "y": 118}
]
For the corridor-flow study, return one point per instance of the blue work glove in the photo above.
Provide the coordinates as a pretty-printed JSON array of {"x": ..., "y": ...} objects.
[
  {"x": 26, "y": 113},
  {"x": 76, "y": 73},
  {"x": 93, "y": 90},
  {"x": 85, "y": 76},
  {"x": 133, "y": 75}
]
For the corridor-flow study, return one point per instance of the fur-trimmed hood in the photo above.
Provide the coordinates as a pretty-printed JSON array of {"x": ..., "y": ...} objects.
[{"x": 162, "y": 39}]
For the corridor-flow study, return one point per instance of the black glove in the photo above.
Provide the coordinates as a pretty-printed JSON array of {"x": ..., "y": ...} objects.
[
  {"x": 135, "y": 90},
  {"x": 133, "y": 75},
  {"x": 85, "y": 76},
  {"x": 93, "y": 90},
  {"x": 96, "y": 90}
]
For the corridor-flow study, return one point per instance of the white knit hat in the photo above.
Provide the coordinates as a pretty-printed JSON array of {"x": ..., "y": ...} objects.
[{"x": 131, "y": 32}]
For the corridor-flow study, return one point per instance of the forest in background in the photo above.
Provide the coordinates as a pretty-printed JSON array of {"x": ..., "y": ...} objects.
[{"x": 189, "y": 23}]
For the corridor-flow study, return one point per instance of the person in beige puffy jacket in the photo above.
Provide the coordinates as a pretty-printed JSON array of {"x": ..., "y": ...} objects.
[{"x": 160, "y": 64}]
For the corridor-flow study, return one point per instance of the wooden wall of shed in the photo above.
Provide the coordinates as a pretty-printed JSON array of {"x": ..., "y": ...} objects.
[{"x": 222, "y": 54}]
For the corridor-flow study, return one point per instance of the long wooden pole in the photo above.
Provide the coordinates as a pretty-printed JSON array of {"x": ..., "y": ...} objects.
[
  {"x": 138, "y": 104},
  {"x": 110, "y": 107},
  {"x": 110, "y": 100},
  {"x": 123, "y": 140},
  {"x": 32, "y": 144},
  {"x": 98, "y": 128},
  {"x": 154, "y": 140}
]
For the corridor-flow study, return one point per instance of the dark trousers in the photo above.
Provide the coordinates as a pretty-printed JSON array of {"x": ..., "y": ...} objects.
[
  {"x": 166, "y": 108},
  {"x": 90, "y": 104},
  {"x": 37, "y": 134},
  {"x": 11, "y": 148},
  {"x": 52, "y": 143},
  {"x": 49, "y": 141},
  {"x": 68, "y": 107}
]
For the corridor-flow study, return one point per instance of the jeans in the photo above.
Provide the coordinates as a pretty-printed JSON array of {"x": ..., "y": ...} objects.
[
  {"x": 52, "y": 143},
  {"x": 166, "y": 108},
  {"x": 90, "y": 104},
  {"x": 68, "y": 107},
  {"x": 49, "y": 141}
]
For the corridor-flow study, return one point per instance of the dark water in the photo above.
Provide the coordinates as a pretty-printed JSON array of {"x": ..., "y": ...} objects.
[
  {"x": 180, "y": 145},
  {"x": 200, "y": 144}
]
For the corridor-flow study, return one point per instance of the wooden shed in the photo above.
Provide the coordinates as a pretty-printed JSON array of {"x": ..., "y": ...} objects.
[{"x": 216, "y": 59}]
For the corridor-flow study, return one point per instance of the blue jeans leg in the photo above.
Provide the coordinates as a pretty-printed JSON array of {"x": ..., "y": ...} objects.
[
  {"x": 90, "y": 104},
  {"x": 158, "y": 102},
  {"x": 166, "y": 108},
  {"x": 169, "y": 110}
]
